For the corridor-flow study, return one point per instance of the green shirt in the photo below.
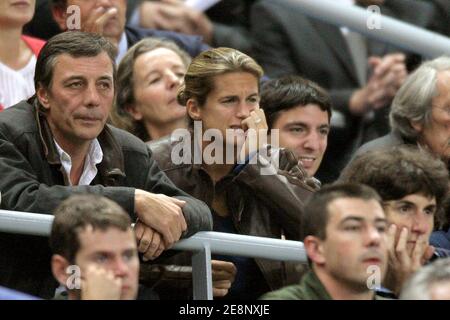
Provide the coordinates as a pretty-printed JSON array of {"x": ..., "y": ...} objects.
[{"x": 310, "y": 288}]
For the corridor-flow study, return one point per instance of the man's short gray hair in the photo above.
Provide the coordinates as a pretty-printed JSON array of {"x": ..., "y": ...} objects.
[
  {"x": 420, "y": 284},
  {"x": 412, "y": 103}
]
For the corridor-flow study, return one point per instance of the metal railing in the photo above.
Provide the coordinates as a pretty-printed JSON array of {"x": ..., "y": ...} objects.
[
  {"x": 392, "y": 31},
  {"x": 202, "y": 244}
]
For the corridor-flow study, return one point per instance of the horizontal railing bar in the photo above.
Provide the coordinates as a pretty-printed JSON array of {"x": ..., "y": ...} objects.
[
  {"x": 392, "y": 31},
  {"x": 220, "y": 243}
]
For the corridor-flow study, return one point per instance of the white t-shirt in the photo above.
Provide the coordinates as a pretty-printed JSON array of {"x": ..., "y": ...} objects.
[{"x": 16, "y": 85}]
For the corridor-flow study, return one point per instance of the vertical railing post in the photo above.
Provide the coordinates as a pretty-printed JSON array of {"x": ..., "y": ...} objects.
[{"x": 201, "y": 273}]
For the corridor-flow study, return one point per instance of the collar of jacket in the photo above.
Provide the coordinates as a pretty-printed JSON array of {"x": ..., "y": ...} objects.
[
  {"x": 112, "y": 166},
  {"x": 313, "y": 287},
  {"x": 317, "y": 291}
]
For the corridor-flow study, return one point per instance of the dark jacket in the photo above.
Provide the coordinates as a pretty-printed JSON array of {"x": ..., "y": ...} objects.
[
  {"x": 281, "y": 31},
  {"x": 288, "y": 42},
  {"x": 310, "y": 288},
  {"x": 231, "y": 23},
  {"x": 441, "y": 239},
  {"x": 392, "y": 139},
  {"x": 193, "y": 45},
  {"x": 260, "y": 205},
  {"x": 43, "y": 26},
  {"x": 33, "y": 180}
]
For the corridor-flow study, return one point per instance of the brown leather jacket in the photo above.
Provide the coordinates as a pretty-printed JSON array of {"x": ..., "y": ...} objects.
[{"x": 260, "y": 205}]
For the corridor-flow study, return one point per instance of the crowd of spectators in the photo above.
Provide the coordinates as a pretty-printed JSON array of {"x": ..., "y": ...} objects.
[{"x": 139, "y": 123}]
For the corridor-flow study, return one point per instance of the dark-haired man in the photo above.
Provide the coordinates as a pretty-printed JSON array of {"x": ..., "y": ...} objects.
[
  {"x": 95, "y": 256},
  {"x": 94, "y": 249},
  {"x": 301, "y": 111},
  {"x": 345, "y": 240},
  {"x": 64, "y": 146}
]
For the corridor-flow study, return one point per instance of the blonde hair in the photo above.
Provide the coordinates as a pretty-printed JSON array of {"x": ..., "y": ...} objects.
[{"x": 199, "y": 79}]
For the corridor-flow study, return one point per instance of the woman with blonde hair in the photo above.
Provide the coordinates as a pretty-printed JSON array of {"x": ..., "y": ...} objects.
[{"x": 247, "y": 192}]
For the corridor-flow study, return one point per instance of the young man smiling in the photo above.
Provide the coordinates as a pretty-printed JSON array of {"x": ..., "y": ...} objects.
[{"x": 301, "y": 111}]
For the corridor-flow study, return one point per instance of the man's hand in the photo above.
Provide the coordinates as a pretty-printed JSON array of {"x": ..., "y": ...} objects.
[
  {"x": 255, "y": 127},
  {"x": 223, "y": 274},
  {"x": 100, "y": 284},
  {"x": 389, "y": 73},
  {"x": 403, "y": 263},
  {"x": 97, "y": 19},
  {"x": 161, "y": 213},
  {"x": 390, "y": 63},
  {"x": 174, "y": 15},
  {"x": 149, "y": 241}
]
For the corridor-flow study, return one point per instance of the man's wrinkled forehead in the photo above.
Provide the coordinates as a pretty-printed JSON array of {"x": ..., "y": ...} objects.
[{"x": 83, "y": 64}]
